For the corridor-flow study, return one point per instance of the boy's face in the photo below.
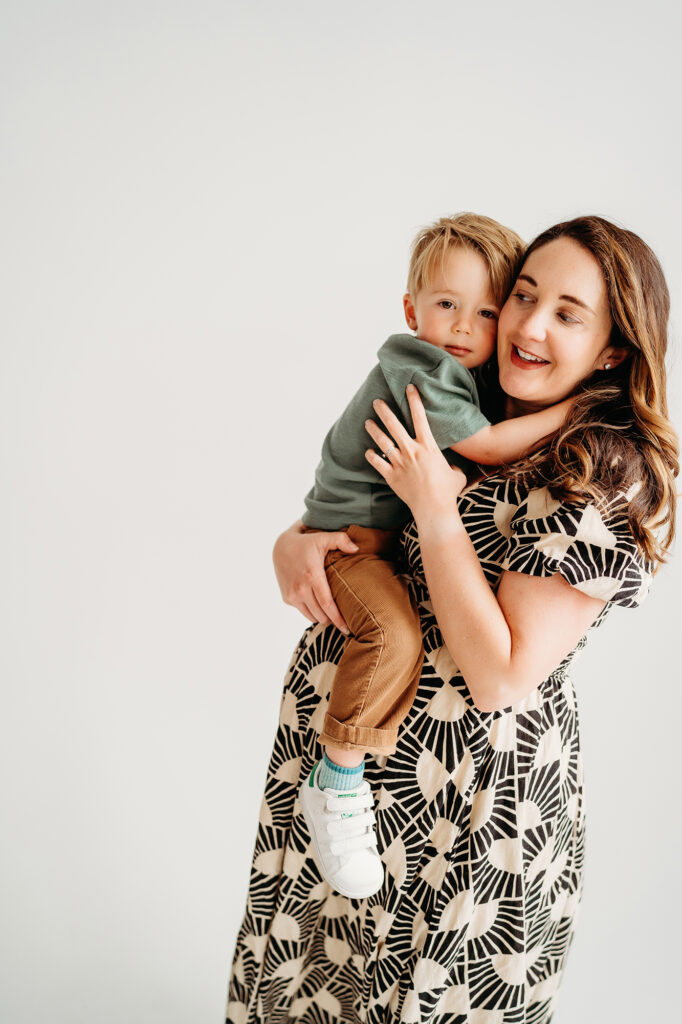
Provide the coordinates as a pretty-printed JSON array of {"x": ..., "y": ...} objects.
[{"x": 456, "y": 311}]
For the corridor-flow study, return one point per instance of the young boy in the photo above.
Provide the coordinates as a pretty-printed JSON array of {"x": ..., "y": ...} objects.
[{"x": 460, "y": 273}]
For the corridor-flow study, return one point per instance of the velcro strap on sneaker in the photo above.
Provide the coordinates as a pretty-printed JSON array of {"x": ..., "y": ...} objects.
[
  {"x": 363, "y": 842},
  {"x": 349, "y": 804},
  {"x": 354, "y": 825}
]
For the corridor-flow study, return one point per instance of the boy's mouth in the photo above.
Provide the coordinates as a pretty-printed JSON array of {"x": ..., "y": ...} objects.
[{"x": 457, "y": 350}]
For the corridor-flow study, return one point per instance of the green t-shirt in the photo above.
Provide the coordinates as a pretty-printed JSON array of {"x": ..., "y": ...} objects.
[{"x": 347, "y": 489}]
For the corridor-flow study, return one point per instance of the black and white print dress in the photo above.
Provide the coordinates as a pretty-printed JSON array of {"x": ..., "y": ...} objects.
[{"x": 479, "y": 815}]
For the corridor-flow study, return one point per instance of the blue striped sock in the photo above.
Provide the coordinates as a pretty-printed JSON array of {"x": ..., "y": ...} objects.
[{"x": 334, "y": 776}]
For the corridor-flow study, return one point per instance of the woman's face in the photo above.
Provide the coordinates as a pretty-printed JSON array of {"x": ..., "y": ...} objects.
[{"x": 555, "y": 326}]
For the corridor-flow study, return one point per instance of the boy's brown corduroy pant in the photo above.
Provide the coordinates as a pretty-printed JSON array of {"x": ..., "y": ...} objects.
[{"x": 378, "y": 675}]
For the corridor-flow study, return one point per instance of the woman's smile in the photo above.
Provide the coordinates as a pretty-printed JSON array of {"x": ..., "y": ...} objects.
[{"x": 525, "y": 359}]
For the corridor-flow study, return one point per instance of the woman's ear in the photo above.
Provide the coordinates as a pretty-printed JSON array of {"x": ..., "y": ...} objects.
[
  {"x": 611, "y": 357},
  {"x": 408, "y": 306}
]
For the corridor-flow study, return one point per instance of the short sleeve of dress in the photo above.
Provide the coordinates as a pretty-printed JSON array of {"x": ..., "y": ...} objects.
[{"x": 593, "y": 549}]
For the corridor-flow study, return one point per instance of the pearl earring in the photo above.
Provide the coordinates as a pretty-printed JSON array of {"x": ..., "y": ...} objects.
[{"x": 607, "y": 366}]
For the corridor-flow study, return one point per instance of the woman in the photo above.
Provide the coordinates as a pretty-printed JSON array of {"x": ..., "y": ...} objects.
[{"x": 479, "y": 812}]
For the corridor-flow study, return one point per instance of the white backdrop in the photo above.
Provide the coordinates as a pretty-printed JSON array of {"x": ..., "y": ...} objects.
[{"x": 206, "y": 214}]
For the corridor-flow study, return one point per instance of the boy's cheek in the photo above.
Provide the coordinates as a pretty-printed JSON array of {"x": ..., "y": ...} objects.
[{"x": 492, "y": 345}]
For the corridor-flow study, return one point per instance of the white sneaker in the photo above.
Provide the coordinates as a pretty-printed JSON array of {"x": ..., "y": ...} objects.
[{"x": 341, "y": 823}]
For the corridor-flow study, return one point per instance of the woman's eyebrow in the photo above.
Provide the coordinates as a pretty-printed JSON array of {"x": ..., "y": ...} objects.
[
  {"x": 578, "y": 302},
  {"x": 567, "y": 298}
]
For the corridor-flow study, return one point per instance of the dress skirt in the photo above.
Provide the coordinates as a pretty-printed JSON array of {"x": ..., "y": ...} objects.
[{"x": 480, "y": 819}]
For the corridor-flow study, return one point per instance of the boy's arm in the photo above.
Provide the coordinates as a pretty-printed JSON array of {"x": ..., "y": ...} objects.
[{"x": 510, "y": 439}]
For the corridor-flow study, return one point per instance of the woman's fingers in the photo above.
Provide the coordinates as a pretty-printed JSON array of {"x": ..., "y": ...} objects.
[
  {"x": 382, "y": 466},
  {"x": 392, "y": 424},
  {"x": 299, "y": 557},
  {"x": 422, "y": 430},
  {"x": 340, "y": 541},
  {"x": 329, "y": 609},
  {"x": 318, "y": 597},
  {"x": 315, "y": 613},
  {"x": 305, "y": 611},
  {"x": 398, "y": 434},
  {"x": 323, "y": 605},
  {"x": 382, "y": 441},
  {"x": 315, "y": 601}
]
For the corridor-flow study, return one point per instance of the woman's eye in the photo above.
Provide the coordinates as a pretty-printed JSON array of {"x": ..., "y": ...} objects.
[
  {"x": 566, "y": 318},
  {"x": 489, "y": 314},
  {"x": 522, "y": 297}
]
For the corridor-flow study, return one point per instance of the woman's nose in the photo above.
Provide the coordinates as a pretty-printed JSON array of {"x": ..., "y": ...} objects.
[{"x": 533, "y": 325}]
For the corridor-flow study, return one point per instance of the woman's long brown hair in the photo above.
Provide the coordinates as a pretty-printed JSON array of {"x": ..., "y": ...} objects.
[{"x": 618, "y": 439}]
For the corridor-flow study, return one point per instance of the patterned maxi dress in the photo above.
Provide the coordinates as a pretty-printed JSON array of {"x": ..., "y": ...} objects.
[{"x": 479, "y": 815}]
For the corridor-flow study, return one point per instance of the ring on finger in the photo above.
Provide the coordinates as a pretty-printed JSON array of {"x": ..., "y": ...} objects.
[{"x": 391, "y": 447}]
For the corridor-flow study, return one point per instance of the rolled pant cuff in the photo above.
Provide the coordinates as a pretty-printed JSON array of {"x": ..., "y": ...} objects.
[{"x": 358, "y": 737}]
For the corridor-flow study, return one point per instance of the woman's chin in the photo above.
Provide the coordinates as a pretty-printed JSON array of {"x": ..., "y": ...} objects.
[
  {"x": 525, "y": 395},
  {"x": 520, "y": 385}
]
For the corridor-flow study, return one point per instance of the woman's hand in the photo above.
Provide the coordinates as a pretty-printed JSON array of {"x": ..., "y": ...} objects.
[
  {"x": 299, "y": 566},
  {"x": 415, "y": 467}
]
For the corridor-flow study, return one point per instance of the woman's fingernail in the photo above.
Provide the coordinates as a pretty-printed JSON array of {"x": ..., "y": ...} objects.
[{"x": 411, "y": 387}]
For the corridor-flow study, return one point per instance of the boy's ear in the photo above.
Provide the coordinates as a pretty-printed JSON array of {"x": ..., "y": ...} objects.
[{"x": 408, "y": 306}]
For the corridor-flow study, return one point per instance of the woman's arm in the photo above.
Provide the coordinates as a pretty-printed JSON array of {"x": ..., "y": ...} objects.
[
  {"x": 298, "y": 558},
  {"x": 504, "y": 644}
]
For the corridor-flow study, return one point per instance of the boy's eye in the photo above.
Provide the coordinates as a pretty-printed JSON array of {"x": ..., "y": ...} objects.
[
  {"x": 489, "y": 314},
  {"x": 446, "y": 304}
]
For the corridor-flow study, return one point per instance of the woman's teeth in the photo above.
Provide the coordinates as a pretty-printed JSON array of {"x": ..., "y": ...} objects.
[{"x": 529, "y": 358}]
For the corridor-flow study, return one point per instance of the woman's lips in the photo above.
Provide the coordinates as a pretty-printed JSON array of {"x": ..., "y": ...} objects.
[{"x": 526, "y": 364}]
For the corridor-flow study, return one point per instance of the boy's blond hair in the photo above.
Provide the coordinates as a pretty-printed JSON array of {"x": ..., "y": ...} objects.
[{"x": 500, "y": 247}]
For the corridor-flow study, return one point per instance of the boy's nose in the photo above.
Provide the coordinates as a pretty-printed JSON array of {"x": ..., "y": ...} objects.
[{"x": 462, "y": 324}]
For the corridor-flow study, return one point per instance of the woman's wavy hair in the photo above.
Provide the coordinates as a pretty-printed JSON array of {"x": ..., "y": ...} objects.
[{"x": 618, "y": 439}]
